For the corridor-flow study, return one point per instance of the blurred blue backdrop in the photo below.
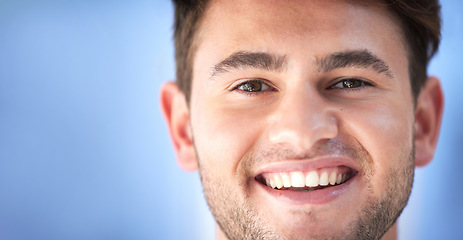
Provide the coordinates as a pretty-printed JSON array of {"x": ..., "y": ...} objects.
[{"x": 84, "y": 152}]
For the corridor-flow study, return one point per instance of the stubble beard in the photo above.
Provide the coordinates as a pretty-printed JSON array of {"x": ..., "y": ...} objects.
[{"x": 238, "y": 219}]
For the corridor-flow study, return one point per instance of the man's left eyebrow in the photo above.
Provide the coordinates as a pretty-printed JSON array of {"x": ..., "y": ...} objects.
[
  {"x": 355, "y": 58},
  {"x": 254, "y": 60}
]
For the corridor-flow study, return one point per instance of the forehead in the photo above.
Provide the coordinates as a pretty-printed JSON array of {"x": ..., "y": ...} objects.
[
  {"x": 299, "y": 29},
  {"x": 296, "y": 12},
  {"x": 293, "y": 16}
]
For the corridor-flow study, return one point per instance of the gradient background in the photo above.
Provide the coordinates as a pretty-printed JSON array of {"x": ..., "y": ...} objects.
[{"x": 84, "y": 152}]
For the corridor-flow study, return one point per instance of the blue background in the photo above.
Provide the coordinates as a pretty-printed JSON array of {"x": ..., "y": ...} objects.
[{"x": 84, "y": 152}]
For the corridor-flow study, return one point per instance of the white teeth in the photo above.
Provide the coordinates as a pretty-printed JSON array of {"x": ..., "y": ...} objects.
[
  {"x": 312, "y": 179},
  {"x": 332, "y": 179},
  {"x": 272, "y": 183},
  {"x": 278, "y": 181},
  {"x": 339, "y": 178},
  {"x": 324, "y": 179},
  {"x": 297, "y": 179},
  {"x": 286, "y": 180}
]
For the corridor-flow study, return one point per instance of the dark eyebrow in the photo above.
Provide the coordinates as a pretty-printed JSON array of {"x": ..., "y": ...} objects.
[
  {"x": 257, "y": 60},
  {"x": 354, "y": 58}
]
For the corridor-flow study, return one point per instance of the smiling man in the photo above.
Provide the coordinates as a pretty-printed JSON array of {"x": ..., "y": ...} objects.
[{"x": 305, "y": 119}]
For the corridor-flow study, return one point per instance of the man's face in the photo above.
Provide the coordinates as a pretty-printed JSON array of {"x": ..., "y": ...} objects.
[{"x": 302, "y": 118}]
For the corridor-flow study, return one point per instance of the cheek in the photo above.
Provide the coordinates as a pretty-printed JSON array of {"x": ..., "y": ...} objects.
[
  {"x": 224, "y": 135},
  {"x": 385, "y": 131}
]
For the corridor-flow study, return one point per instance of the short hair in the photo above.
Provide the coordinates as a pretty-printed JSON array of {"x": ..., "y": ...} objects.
[
  {"x": 188, "y": 14},
  {"x": 419, "y": 20}
]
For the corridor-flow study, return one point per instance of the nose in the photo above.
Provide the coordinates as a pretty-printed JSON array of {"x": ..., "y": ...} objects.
[{"x": 301, "y": 120}]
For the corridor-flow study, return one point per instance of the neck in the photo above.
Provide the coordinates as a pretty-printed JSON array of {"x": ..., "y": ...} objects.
[
  {"x": 219, "y": 234},
  {"x": 391, "y": 234}
]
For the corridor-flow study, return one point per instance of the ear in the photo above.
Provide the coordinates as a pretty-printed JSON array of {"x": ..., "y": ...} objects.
[
  {"x": 176, "y": 113},
  {"x": 428, "y": 116}
]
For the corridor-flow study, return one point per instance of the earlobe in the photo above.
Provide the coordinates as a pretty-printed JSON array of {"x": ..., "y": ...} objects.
[
  {"x": 176, "y": 114},
  {"x": 428, "y": 116}
]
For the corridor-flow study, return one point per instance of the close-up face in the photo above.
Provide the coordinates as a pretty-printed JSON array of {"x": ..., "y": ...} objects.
[{"x": 302, "y": 119}]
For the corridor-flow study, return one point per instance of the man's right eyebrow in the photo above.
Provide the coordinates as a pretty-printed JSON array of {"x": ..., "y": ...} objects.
[{"x": 253, "y": 60}]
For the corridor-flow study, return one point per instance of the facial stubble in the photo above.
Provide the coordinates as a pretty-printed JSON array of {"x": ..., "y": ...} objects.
[{"x": 239, "y": 219}]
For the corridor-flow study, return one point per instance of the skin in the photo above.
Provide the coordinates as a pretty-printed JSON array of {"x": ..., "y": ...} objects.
[{"x": 303, "y": 115}]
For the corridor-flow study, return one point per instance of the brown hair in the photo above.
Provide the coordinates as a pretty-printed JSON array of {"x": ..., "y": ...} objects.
[
  {"x": 421, "y": 25},
  {"x": 188, "y": 15},
  {"x": 419, "y": 19}
]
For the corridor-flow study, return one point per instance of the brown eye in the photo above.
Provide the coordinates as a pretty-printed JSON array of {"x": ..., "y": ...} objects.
[
  {"x": 253, "y": 86},
  {"x": 350, "y": 83}
]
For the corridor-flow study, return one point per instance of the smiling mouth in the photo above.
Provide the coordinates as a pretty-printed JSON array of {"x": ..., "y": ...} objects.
[{"x": 307, "y": 180}]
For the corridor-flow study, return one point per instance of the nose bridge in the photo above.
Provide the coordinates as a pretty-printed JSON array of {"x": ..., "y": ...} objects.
[{"x": 302, "y": 118}]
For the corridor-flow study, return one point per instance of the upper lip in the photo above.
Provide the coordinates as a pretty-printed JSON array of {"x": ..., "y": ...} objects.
[{"x": 291, "y": 165}]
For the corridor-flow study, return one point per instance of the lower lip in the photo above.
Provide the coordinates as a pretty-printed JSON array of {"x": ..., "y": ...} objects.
[{"x": 320, "y": 196}]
